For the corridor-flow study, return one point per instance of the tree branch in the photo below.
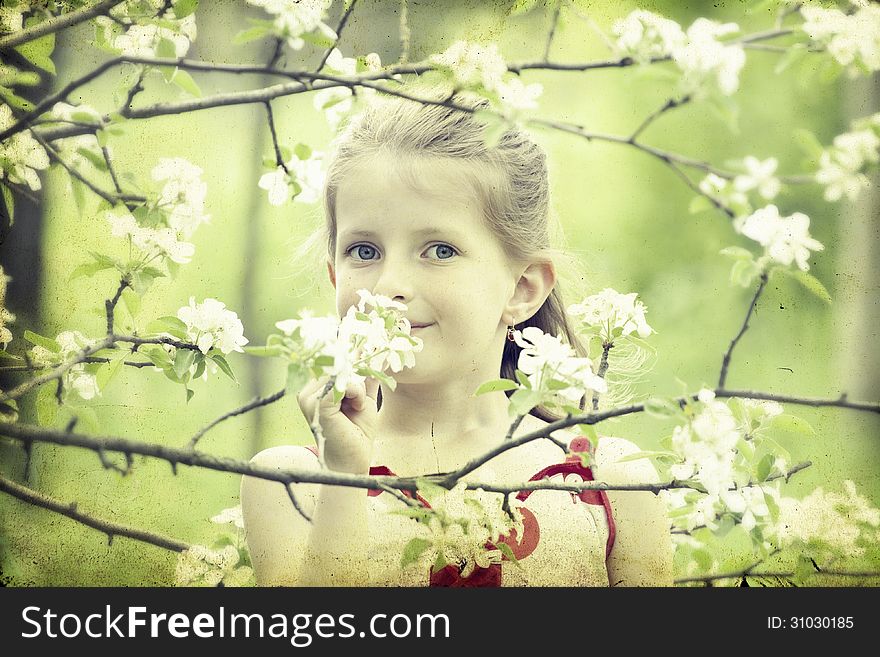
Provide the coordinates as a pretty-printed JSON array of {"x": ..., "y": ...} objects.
[
  {"x": 57, "y": 23},
  {"x": 106, "y": 526},
  {"x": 256, "y": 403},
  {"x": 339, "y": 29},
  {"x": 725, "y": 362}
]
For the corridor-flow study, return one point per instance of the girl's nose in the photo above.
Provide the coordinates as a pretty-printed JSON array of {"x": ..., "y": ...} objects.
[{"x": 395, "y": 281}]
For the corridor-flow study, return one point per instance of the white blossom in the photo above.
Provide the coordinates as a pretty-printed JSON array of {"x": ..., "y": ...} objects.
[
  {"x": 200, "y": 565},
  {"x": 852, "y": 40},
  {"x": 759, "y": 176},
  {"x": 277, "y": 183},
  {"x": 473, "y": 65},
  {"x": 293, "y": 18},
  {"x": 611, "y": 314},
  {"x": 724, "y": 191},
  {"x": 704, "y": 61},
  {"x": 514, "y": 95},
  {"x": 209, "y": 324},
  {"x": 545, "y": 358},
  {"x": 841, "y": 166},
  {"x": 785, "y": 239},
  {"x": 308, "y": 174},
  {"x": 182, "y": 195},
  {"x": 643, "y": 36},
  {"x": 87, "y": 113},
  {"x": 144, "y": 40},
  {"x": 75, "y": 379},
  {"x": 232, "y": 515},
  {"x": 161, "y": 241},
  {"x": 830, "y": 522},
  {"x": 21, "y": 156}
]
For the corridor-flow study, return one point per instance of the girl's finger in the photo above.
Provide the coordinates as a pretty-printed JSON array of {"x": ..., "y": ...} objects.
[{"x": 372, "y": 387}]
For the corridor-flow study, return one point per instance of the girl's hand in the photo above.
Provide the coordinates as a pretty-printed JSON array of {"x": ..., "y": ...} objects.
[{"x": 348, "y": 427}]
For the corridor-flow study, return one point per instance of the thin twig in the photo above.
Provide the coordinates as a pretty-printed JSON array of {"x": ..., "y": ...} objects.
[
  {"x": 256, "y": 403},
  {"x": 57, "y": 23},
  {"x": 339, "y": 29},
  {"x": 514, "y": 426},
  {"x": 110, "y": 304},
  {"x": 279, "y": 159},
  {"x": 725, "y": 362},
  {"x": 603, "y": 368},
  {"x": 106, "y": 526},
  {"x": 670, "y": 104},
  {"x": 552, "y": 33},
  {"x": 295, "y": 502}
]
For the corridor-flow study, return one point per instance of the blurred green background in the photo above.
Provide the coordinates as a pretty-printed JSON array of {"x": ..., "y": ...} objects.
[{"x": 624, "y": 215}]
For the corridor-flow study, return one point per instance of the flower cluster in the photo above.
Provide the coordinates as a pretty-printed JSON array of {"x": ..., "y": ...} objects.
[
  {"x": 336, "y": 102},
  {"x": 201, "y": 566},
  {"x": 554, "y": 375},
  {"x": 611, "y": 314},
  {"x": 172, "y": 219},
  {"x": 11, "y": 16},
  {"x": 828, "y": 524},
  {"x": 21, "y": 156},
  {"x": 76, "y": 379},
  {"x": 481, "y": 67},
  {"x": 465, "y": 525},
  {"x": 141, "y": 29},
  {"x": 853, "y": 40},
  {"x": 703, "y": 60},
  {"x": 785, "y": 239},
  {"x": 716, "y": 449},
  {"x": 841, "y": 167},
  {"x": 302, "y": 180},
  {"x": 5, "y": 315},
  {"x": 210, "y": 325},
  {"x": 365, "y": 342},
  {"x": 293, "y": 18}
]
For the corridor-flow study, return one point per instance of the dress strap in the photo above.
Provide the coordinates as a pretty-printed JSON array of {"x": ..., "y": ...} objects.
[{"x": 574, "y": 465}]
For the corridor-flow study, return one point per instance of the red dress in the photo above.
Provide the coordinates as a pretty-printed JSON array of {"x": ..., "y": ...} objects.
[{"x": 491, "y": 576}]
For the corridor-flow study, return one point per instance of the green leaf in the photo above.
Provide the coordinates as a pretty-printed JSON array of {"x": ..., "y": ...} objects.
[
  {"x": 318, "y": 39},
  {"x": 185, "y": 81},
  {"x": 495, "y": 386},
  {"x": 183, "y": 360},
  {"x": 508, "y": 552},
  {"x": 647, "y": 455},
  {"x": 811, "y": 284},
  {"x": 765, "y": 467},
  {"x": 724, "y": 526},
  {"x": 809, "y": 143},
  {"x": 97, "y": 161},
  {"x": 523, "y": 401},
  {"x": 168, "y": 324},
  {"x": 221, "y": 362},
  {"x": 744, "y": 272},
  {"x": 661, "y": 407},
  {"x": 793, "y": 424},
  {"x": 200, "y": 366},
  {"x": 189, "y": 394},
  {"x": 108, "y": 370},
  {"x": 132, "y": 302},
  {"x": 297, "y": 377},
  {"x": 141, "y": 279},
  {"x": 15, "y": 101},
  {"x": 262, "y": 351},
  {"x": 46, "y": 343},
  {"x": 9, "y": 203},
  {"x": 700, "y": 204},
  {"x": 737, "y": 252},
  {"x": 88, "y": 269},
  {"x": 39, "y": 52},
  {"x": 795, "y": 53},
  {"x": 6, "y": 354},
  {"x": 47, "y": 404},
  {"x": 523, "y": 380},
  {"x": 413, "y": 550},
  {"x": 250, "y": 34},
  {"x": 302, "y": 151},
  {"x": 183, "y": 8}
]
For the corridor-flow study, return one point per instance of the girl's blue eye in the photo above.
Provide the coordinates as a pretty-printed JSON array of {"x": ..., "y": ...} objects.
[
  {"x": 444, "y": 249},
  {"x": 364, "y": 251}
]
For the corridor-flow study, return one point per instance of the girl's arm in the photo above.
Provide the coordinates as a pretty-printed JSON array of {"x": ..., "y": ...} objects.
[
  {"x": 287, "y": 550},
  {"x": 642, "y": 551}
]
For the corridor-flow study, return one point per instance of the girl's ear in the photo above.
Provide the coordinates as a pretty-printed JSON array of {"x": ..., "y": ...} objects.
[
  {"x": 331, "y": 273},
  {"x": 532, "y": 289}
]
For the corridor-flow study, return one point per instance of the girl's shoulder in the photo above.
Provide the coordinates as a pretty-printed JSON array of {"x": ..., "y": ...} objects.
[{"x": 285, "y": 456}]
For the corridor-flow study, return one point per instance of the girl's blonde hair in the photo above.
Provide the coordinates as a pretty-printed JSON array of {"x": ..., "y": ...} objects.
[{"x": 509, "y": 178}]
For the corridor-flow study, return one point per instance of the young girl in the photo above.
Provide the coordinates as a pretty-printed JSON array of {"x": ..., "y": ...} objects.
[{"x": 418, "y": 209}]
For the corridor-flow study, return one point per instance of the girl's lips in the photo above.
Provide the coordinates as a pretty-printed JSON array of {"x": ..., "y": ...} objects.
[{"x": 418, "y": 328}]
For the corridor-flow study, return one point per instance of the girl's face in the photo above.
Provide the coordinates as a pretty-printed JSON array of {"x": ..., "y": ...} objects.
[{"x": 428, "y": 248}]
